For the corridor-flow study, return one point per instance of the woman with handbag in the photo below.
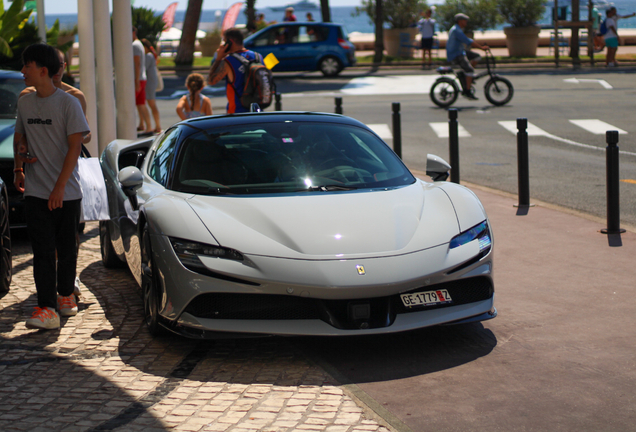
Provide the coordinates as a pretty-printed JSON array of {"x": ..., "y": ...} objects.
[{"x": 152, "y": 84}]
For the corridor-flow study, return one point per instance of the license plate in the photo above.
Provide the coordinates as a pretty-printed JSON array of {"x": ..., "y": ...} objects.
[{"x": 426, "y": 298}]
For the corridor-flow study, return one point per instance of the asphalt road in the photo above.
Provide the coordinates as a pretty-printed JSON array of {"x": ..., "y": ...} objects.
[{"x": 567, "y": 162}]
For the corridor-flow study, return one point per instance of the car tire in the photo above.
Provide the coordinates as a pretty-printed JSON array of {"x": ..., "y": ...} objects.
[
  {"x": 109, "y": 256},
  {"x": 330, "y": 66},
  {"x": 6, "y": 264},
  {"x": 149, "y": 286}
]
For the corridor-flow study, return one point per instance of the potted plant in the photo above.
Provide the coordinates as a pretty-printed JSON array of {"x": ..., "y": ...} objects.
[
  {"x": 400, "y": 15},
  {"x": 483, "y": 15},
  {"x": 210, "y": 43},
  {"x": 522, "y": 36}
]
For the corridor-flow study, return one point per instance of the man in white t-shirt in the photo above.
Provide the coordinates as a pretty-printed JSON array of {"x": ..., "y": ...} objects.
[
  {"x": 426, "y": 26},
  {"x": 611, "y": 37}
]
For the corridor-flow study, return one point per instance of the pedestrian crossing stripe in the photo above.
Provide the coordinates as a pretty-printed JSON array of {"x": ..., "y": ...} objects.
[
  {"x": 597, "y": 127},
  {"x": 382, "y": 130},
  {"x": 441, "y": 129},
  {"x": 532, "y": 130}
]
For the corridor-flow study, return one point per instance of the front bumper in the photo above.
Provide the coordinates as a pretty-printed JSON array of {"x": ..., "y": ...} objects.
[{"x": 270, "y": 296}]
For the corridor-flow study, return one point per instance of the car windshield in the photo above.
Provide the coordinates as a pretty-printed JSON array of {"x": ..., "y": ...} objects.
[
  {"x": 286, "y": 157},
  {"x": 10, "y": 89}
]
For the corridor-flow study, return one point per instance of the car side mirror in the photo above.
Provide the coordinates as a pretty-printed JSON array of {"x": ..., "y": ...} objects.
[
  {"x": 437, "y": 168},
  {"x": 131, "y": 179}
]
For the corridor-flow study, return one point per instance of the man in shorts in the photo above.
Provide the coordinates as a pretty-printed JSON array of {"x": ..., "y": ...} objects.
[
  {"x": 457, "y": 55},
  {"x": 139, "y": 58},
  {"x": 426, "y": 26},
  {"x": 54, "y": 125}
]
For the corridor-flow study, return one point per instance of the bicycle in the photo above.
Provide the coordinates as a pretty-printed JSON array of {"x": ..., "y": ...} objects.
[{"x": 444, "y": 92}]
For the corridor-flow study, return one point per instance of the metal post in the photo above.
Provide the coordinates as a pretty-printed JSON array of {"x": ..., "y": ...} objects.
[
  {"x": 613, "y": 193},
  {"x": 453, "y": 144},
  {"x": 338, "y": 101},
  {"x": 397, "y": 130},
  {"x": 124, "y": 70},
  {"x": 86, "y": 29},
  {"x": 279, "y": 104},
  {"x": 523, "y": 170}
]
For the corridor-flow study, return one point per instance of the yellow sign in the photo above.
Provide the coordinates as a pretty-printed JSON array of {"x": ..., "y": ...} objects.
[{"x": 270, "y": 61}]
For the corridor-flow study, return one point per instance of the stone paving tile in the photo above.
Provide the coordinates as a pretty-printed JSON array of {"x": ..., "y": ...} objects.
[{"x": 103, "y": 371}]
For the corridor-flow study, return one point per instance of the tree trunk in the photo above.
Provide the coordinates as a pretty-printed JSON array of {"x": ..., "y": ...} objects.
[
  {"x": 250, "y": 13},
  {"x": 379, "y": 32},
  {"x": 326, "y": 12},
  {"x": 185, "y": 53}
]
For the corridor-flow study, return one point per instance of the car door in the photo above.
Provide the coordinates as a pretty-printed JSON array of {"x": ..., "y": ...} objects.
[{"x": 272, "y": 41}]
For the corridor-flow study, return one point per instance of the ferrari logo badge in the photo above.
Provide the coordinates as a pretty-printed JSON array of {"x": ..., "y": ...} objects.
[{"x": 360, "y": 270}]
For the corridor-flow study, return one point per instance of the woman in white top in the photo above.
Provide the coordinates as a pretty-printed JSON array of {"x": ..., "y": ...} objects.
[
  {"x": 611, "y": 37},
  {"x": 194, "y": 104}
]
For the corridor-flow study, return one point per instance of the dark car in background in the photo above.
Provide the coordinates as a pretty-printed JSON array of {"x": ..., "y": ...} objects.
[
  {"x": 11, "y": 84},
  {"x": 305, "y": 46}
]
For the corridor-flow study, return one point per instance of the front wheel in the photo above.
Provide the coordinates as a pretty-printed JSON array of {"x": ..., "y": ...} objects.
[
  {"x": 330, "y": 66},
  {"x": 150, "y": 286},
  {"x": 444, "y": 92},
  {"x": 498, "y": 90}
]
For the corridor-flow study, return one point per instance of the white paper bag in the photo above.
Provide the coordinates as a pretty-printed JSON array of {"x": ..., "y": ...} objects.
[{"x": 95, "y": 199}]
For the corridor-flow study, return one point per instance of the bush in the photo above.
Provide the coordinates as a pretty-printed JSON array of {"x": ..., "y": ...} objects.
[
  {"x": 483, "y": 14},
  {"x": 397, "y": 13},
  {"x": 149, "y": 25},
  {"x": 521, "y": 13}
]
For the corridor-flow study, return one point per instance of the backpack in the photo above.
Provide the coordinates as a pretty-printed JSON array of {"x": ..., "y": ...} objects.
[
  {"x": 603, "y": 28},
  {"x": 259, "y": 83}
]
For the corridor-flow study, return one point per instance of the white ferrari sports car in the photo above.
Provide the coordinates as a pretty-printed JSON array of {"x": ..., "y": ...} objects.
[{"x": 292, "y": 224}]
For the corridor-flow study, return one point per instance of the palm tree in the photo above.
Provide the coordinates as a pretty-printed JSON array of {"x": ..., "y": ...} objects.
[
  {"x": 250, "y": 13},
  {"x": 185, "y": 53},
  {"x": 326, "y": 12},
  {"x": 379, "y": 33}
]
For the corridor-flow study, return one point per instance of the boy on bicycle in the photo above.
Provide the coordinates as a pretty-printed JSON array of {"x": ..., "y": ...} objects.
[{"x": 456, "y": 54}]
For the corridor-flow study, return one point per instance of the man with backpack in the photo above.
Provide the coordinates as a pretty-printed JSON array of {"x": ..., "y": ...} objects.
[{"x": 239, "y": 67}]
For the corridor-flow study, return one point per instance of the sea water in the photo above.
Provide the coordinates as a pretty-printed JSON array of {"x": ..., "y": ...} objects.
[{"x": 347, "y": 16}]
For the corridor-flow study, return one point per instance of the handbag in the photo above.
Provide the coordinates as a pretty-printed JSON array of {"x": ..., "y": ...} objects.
[
  {"x": 159, "y": 80},
  {"x": 94, "y": 196}
]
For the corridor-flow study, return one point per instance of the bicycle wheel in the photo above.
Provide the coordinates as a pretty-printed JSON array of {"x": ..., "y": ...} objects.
[
  {"x": 444, "y": 92},
  {"x": 498, "y": 90}
]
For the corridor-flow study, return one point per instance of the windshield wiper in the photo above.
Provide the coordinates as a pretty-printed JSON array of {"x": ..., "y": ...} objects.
[{"x": 331, "y": 187}]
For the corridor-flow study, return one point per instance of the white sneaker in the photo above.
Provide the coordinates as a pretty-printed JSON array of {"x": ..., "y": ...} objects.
[
  {"x": 77, "y": 291},
  {"x": 67, "y": 306},
  {"x": 44, "y": 319}
]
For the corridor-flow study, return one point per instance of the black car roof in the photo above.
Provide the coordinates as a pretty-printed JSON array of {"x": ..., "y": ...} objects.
[{"x": 269, "y": 117}]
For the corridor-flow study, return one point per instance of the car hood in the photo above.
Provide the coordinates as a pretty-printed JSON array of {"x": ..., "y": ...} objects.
[
  {"x": 320, "y": 225},
  {"x": 7, "y": 128}
]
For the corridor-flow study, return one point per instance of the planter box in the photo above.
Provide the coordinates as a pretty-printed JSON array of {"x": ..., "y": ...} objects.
[
  {"x": 522, "y": 41},
  {"x": 392, "y": 41}
]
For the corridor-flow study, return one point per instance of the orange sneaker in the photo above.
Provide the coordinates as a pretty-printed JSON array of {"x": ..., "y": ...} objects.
[
  {"x": 44, "y": 319},
  {"x": 67, "y": 305}
]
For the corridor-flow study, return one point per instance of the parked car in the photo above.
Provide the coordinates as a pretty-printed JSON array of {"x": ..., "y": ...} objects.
[
  {"x": 11, "y": 84},
  {"x": 305, "y": 46},
  {"x": 292, "y": 224},
  {"x": 5, "y": 240}
]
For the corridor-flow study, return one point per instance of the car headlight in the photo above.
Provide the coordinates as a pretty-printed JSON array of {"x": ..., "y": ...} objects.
[
  {"x": 188, "y": 253},
  {"x": 480, "y": 232}
]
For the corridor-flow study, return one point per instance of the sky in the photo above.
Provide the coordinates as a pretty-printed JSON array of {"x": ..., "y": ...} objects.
[{"x": 70, "y": 6}]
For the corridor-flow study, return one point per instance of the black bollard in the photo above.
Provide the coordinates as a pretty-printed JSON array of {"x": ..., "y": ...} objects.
[
  {"x": 278, "y": 105},
  {"x": 613, "y": 185},
  {"x": 523, "y": 170},
  {"x": 453, "y": 144},
  {"x": 338, "y": 101},
  {"x": 397, "y": 130}
]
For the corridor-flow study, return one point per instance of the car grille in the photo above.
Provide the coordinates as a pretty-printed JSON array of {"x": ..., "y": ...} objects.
[{"x": 383, "y": 310}]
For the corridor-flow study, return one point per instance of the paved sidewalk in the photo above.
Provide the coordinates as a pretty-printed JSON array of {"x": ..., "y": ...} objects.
[{"x": 102, "y": 371}]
